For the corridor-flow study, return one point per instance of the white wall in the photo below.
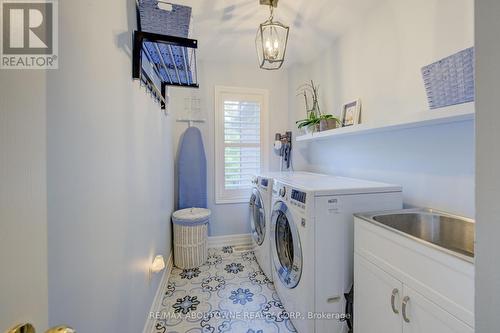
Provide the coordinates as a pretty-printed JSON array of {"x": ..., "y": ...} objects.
[
  {"x": 23, "y": 199},
  {"x": 488, "y": 164},
  {"x": 232, "y": 218},
  {"x": 110, "y": 174},
  {"x": 379, "y": 61}
]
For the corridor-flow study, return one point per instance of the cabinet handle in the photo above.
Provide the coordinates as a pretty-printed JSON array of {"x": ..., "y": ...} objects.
[
  {"x": 395, "y": 292},
  {"x": 406, "y": 299}
]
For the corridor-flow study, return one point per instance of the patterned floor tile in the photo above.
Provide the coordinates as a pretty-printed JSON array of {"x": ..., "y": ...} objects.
[{"x": 229, "y": 293}]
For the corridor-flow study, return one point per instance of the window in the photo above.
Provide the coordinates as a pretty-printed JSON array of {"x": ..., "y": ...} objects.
[{"x": 240, "y": 149}]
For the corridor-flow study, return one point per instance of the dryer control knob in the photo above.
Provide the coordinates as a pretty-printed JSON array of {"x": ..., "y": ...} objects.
[{"x": 282, "y": 191}]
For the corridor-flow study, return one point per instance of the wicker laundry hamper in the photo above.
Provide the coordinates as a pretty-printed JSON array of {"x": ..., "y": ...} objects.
[{"x": 190, "y": 237}]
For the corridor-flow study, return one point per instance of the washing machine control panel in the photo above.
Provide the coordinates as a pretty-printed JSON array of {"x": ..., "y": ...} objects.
[
  {"x": 298, "y": 198},
  {"x": 279, "y": 190}
]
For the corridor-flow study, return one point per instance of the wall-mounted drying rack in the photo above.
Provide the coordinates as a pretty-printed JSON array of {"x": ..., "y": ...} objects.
[
  {"x": 190, "y": 121},
  {"x": 171, "y": 60}
]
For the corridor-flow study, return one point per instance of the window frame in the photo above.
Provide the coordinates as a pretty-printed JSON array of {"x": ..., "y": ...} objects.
[{"x": 222, "y": 195}]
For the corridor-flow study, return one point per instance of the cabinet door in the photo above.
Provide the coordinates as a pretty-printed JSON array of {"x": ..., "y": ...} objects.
[
  {"x": 424, "y": 316},
  {"x": 375, "y": 306}
]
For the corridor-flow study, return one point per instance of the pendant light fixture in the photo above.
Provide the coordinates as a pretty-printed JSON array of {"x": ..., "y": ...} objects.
[{"x": 271, "y": 40}]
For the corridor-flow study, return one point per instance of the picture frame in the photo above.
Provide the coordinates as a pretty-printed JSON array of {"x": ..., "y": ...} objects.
[{"x": 351, "y": 113}]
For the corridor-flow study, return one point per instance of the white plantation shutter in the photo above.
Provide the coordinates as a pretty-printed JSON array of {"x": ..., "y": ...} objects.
[
  {"x": 238, "y": 141},
  {"x": 241, "y": 143}
]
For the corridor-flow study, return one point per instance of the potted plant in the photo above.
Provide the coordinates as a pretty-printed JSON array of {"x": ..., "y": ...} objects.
[
  {"x": 310, "y": 124},
  {"x": 328, "y": 121},
  {"x": 315, "y": 121}
]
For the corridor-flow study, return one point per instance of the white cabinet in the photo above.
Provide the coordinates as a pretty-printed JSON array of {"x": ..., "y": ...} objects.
[
  {"x": 425, "y": 316},
  {"x": 403, "y": 286},
  {"x": 375, "y": 295}
]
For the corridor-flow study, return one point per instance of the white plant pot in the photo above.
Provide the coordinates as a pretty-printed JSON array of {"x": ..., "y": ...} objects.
[{"x": 312, "y": 129}]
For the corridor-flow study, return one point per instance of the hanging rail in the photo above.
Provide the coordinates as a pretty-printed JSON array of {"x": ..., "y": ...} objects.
[
  {"x": 159, "y": 95},
  {"x": 190, "y": 121}
]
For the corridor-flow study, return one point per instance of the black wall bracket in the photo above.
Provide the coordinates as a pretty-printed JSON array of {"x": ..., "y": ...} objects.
[{"x": 172, "y": 60}]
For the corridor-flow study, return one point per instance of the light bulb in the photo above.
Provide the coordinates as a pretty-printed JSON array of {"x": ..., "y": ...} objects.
[{"x": 272, "y": 49}]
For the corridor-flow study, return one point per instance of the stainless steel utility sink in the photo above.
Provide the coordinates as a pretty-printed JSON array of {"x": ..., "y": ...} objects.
[{"x": 453, "y": 233}]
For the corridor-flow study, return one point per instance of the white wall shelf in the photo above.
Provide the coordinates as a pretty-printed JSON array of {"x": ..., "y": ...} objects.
[{"x": 451, "y": 114}]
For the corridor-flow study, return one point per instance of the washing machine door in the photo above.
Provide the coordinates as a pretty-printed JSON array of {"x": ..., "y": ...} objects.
[
  {"x": 285, "y": 243},
  {"x": 257, "y": 217}
]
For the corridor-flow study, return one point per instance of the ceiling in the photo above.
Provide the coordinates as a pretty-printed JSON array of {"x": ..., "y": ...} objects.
[{"x": 226, "y": 29}]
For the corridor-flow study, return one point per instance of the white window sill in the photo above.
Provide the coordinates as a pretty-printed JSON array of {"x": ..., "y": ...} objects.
[{"x": 233, "y": 201}]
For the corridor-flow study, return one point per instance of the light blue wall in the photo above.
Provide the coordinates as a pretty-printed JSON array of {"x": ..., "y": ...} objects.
[
  {"x": 435, "y": 165},
  {"x": 110, "y": 175},
  {"x": 23, "y": 199},
  {"x": 229, "y": 219}
]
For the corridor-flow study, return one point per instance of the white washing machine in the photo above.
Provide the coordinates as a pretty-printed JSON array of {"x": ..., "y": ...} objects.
[
  {"x": 312, "y": 243},
  {"x": 260, "y": 212},
  {"x": 260, "y": 216}
]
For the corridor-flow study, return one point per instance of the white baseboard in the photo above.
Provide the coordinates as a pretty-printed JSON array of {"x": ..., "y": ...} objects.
[
  {"x": 148, "y": 327},
  {"x": 232, "y": 240}
]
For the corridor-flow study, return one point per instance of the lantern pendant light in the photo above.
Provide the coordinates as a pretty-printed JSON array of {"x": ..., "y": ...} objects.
[{"x": 271, "y": 40}]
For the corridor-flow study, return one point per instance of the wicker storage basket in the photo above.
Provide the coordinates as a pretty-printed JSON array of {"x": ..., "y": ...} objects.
[
  {"x": 190, "y": 237},
  {"x": 173, "y": 22},
  {"x": 450, "y": 81}
]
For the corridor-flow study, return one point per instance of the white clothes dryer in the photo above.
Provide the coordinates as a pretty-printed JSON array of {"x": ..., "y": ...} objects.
[{"x": 312, "y": 243}]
